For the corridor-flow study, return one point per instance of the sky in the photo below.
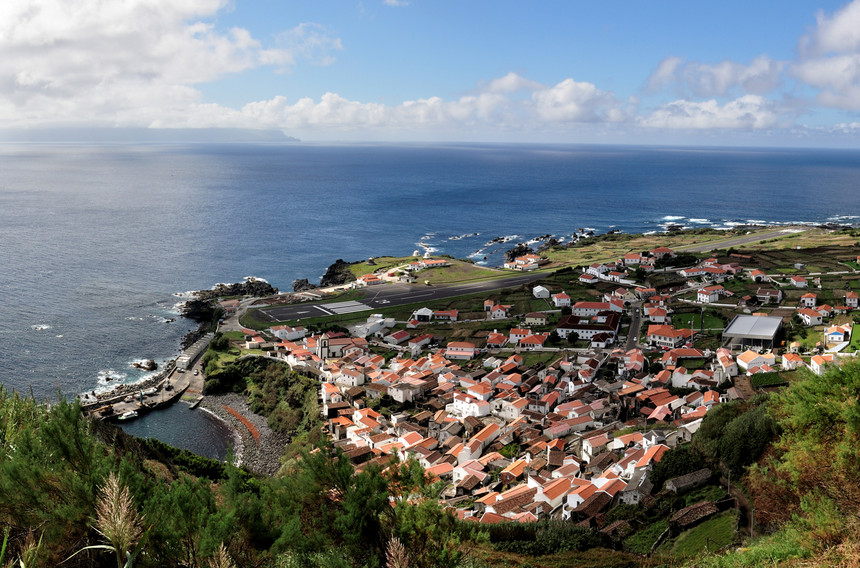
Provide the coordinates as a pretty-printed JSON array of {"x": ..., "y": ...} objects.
[{"x": 752, "y": 73}]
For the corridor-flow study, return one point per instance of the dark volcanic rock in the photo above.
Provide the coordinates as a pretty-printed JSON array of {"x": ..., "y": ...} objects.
[
  {"x": 147, "y": 365},
  {"x": 302, "y": 284},
  {"x": 519, "y": 250},
  {"x": 336, "y": 274},
  {"x": 549, "y": 244}
]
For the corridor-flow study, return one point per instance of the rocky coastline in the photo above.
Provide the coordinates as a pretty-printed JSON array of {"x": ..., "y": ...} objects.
[{"x": 259, "y": 456}]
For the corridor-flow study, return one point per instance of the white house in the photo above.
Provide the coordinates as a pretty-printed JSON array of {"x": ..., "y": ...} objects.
[
  {"x": 462, "y": 350},
  {"x": 710, "y": 294},
  {"x": 810, "y": 316},
  {"x": 749, "y": 359},
  {"x": 560, "y": 300},
  {"x": 397, "y": 337},
  {"x": 288, "y": 333},
  {"x": 540, "y": 292},
  {"x": 818, "y": 362},
  {"x": 597, "y": 269}
]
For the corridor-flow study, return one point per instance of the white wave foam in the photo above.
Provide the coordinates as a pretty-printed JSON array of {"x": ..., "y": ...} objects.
[
  {"x": 672, "y": 218},
  {"x": 116, "y": 377},
  {"x": 699, "y": 221},
  {"x": 463, "y": 236},
  {"x": 40, "y": 326},
  {"x": 257, "y": 278},
  {"x": 501, "y": 240},
  {"x": 61, "y": 335},
  {"x": 756, "y": 222},
  {"x": 176, "y": 309}
]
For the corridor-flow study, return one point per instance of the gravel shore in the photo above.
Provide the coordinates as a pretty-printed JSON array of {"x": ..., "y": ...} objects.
[{"x": 258, "y": 456}]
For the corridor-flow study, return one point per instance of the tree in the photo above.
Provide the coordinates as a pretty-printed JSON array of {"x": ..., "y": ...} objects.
[
  {"x": 219, "y": 342},
  {"x": 678, "y": 461}
]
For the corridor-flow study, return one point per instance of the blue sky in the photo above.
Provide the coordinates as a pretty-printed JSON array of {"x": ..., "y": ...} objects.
[{"x": 668, "y": 72}]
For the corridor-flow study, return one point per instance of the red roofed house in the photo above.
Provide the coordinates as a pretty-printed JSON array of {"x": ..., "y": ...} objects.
[
  {"x": 462, "y": 350},
  {"x": 660, "y": 252},
  {"x": 809, "y": 316},
  {"x": 561, "y": 300},
  {"x": 496, "y": 340},
  {"x": 533, "y": 341},
  {"x": 652, "y": 455},
  {"x": 668, "y": 336},
  {"x": 368, "y": 280},
  {"x": 710, "y": 294},
  {"x": 447, "y": 315},
  {"x": 397, "y": 337}
]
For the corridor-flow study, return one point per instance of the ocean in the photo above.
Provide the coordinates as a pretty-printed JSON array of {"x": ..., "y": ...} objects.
[{"x": 98, "y": 243}]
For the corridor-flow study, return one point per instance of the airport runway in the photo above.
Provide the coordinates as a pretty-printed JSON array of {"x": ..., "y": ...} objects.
[{"x": 388, "y": 295}]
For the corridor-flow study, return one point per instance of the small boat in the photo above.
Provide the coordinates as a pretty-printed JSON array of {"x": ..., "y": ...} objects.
[{"x": 128, "y": 415}]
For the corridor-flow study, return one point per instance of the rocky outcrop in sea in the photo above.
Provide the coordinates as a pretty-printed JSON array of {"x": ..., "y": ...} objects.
[{"x": 337, "y": 274}]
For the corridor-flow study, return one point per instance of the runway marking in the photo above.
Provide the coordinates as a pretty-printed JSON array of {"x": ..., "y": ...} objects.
[
  {"x": 351, "y": 309},
  {"x": 323, "y": 310}
]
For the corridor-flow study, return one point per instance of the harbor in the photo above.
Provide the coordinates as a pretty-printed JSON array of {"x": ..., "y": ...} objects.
[{"x": 181, "y": 377}]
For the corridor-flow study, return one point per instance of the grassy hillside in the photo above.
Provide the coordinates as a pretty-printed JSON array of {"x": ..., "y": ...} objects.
[{"x": 806, "y": 488}]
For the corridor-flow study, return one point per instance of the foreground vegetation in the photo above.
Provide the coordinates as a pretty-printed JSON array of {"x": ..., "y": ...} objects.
[{"x": 55, "y": 468}]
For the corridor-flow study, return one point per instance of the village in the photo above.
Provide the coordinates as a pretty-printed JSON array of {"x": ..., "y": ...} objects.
[{"x": 557, "y": 400}]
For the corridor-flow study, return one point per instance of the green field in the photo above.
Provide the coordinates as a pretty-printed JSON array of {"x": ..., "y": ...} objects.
[
  {"x": 380, "y": 263},
  {"x": 710, "y": 536},
  {"x": 694, "y": 320}
]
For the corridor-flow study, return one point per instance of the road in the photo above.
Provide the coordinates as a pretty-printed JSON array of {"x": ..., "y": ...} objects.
[
  {"x": 389, "y": 295},
  {"x": 635, "y": 325},
  {"x": 739, "y": 241}
]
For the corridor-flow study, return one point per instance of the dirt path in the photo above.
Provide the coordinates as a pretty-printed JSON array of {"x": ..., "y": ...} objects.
[
  {"x": 744, "y": 507},
  {"x": 743, "y": 384}
]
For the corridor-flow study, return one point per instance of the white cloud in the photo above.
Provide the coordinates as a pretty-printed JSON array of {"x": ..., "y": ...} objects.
[
  {"x": 490, "y": 108},
  {"x": 665, "y": 74},
  {"x": 311, "y": 42},
  {"x": 512, "y": 83},
  {"x": 852, "y": 128},
  {"x": 396, "y": 2},
  {"x": 749, "y": 112},
  {"x": 830, "y": 58},
  {"x": 571, "y": 101},
  {"x": 761, "y": 76},
  {"x": 839, "y": 33},
  {"x": 112, "y": 62}
]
